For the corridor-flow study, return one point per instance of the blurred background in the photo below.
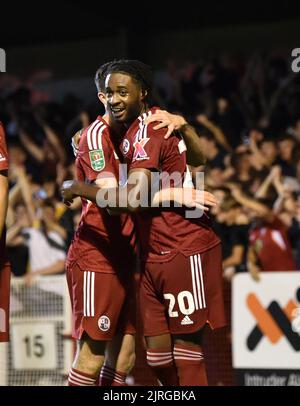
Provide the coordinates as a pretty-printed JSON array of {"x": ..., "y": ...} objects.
[{"x": 228, "y": 71}]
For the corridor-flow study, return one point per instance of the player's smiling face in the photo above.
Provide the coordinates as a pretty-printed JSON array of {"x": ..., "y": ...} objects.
[{"x": 124, "y": 97}]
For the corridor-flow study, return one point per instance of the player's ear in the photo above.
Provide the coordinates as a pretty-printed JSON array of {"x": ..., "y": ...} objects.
[
  {"x": 144, "y": 94},
  {"x": 102, "y": 98}
]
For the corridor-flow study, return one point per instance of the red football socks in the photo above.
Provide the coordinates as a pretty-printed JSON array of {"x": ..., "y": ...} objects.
[
  {"x": 119, "y": 379},
  {"x": 163, "y": 366},
  {"x": 190, "y": 365},
  {"x": 78, "y": 378},
  {"x": 106, "y": 376}
]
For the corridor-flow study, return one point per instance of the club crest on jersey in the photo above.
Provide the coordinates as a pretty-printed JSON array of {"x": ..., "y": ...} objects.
[
  {"x": 125, "y": 146},
  {"x": 104, "y": 323},
  {"x": 97, "y": 159},
  {"x": 139, "y": 149}
]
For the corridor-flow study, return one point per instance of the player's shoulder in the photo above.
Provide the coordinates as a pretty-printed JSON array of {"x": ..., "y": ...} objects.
[
  {"x": 94, "y": 135},
  {"x": 141, "y": 130},
  {"x": 2, "y": 132}
]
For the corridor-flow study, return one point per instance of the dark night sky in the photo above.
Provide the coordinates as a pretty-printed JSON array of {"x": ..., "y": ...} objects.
[{"x": 27, "y": 23}]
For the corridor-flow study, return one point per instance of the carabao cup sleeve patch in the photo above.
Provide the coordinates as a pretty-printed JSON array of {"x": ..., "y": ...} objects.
[{"x": 97, "y": 159}]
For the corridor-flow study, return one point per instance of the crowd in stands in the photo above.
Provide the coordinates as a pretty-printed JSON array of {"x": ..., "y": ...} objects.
[{"x": 246, "y": 111}]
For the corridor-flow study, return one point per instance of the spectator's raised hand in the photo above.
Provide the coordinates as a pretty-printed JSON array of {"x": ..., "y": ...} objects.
[
  {"x": 275, "y": 172},
  {"x": 61, "y": 172},
  {"x": 255, "y": 136}
]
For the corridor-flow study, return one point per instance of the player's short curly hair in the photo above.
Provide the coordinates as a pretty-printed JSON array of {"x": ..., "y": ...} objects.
[
  {"x": 100, "y": 76},
  {"x": 139, "y": 71}
]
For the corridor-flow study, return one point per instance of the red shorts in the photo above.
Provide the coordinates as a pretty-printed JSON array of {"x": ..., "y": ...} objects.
[
  {"x": 102, "y": 306},
  {"x": 182, "y": 295},
  {"x": 4, "y": 301}
]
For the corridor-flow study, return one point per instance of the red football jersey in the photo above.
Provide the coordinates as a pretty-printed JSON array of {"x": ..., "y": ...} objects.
[
  {"x": 102, "y": 243},
  {"x": 272, "y": 247},
  {"x": 3, "y": 150},
  {"x": 165, "y": 232},
  {"x": 3, "y": 167}
]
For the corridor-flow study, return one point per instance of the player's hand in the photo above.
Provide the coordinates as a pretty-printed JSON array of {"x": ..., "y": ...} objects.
[
  {"x": 204, "y": 199},
  {"x": 67, "y": 192},
  {"x": 166, "y": 119},
  {"x": 75, "y": 142},
  {"x": 200, "y": 199}
]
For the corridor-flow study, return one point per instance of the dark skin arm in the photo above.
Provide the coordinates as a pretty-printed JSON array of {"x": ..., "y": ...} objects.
[
  {"x": 194, "y": 154},
  {"x": 136, "y": 196},
  {"x": 114, "y": 198}
]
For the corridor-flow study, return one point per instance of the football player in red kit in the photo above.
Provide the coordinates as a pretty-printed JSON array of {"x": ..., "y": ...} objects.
[
  {"x": 95, "y": 271},
  {"x": 4, "y": 264},
  {"x": 100, "y": 266},
  {"x": 182, "y": 275}
]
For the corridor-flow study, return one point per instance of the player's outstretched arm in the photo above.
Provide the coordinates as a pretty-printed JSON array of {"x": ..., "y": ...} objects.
[
  {"x": 188, "y": 197},
  {"x": 131, "y": 198},
  {"x": 195, "y": 156},
  {"x": 137, "y": 195},
  {"x": 73, "y": 188}
]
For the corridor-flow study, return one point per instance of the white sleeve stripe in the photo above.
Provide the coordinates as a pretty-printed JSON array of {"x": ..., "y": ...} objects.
[
  {"x": 89, "y": 140},
  {"x": 100, "y": 136},
  {"x": 141, "y": 132},
  {"x": 94, "y": 135},
  {"x": 145, "y": 131},
  {"x": 137, "y": 135}
]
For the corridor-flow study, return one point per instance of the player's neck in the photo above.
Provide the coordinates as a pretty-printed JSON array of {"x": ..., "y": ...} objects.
[{"x": 144, "y": 109}]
